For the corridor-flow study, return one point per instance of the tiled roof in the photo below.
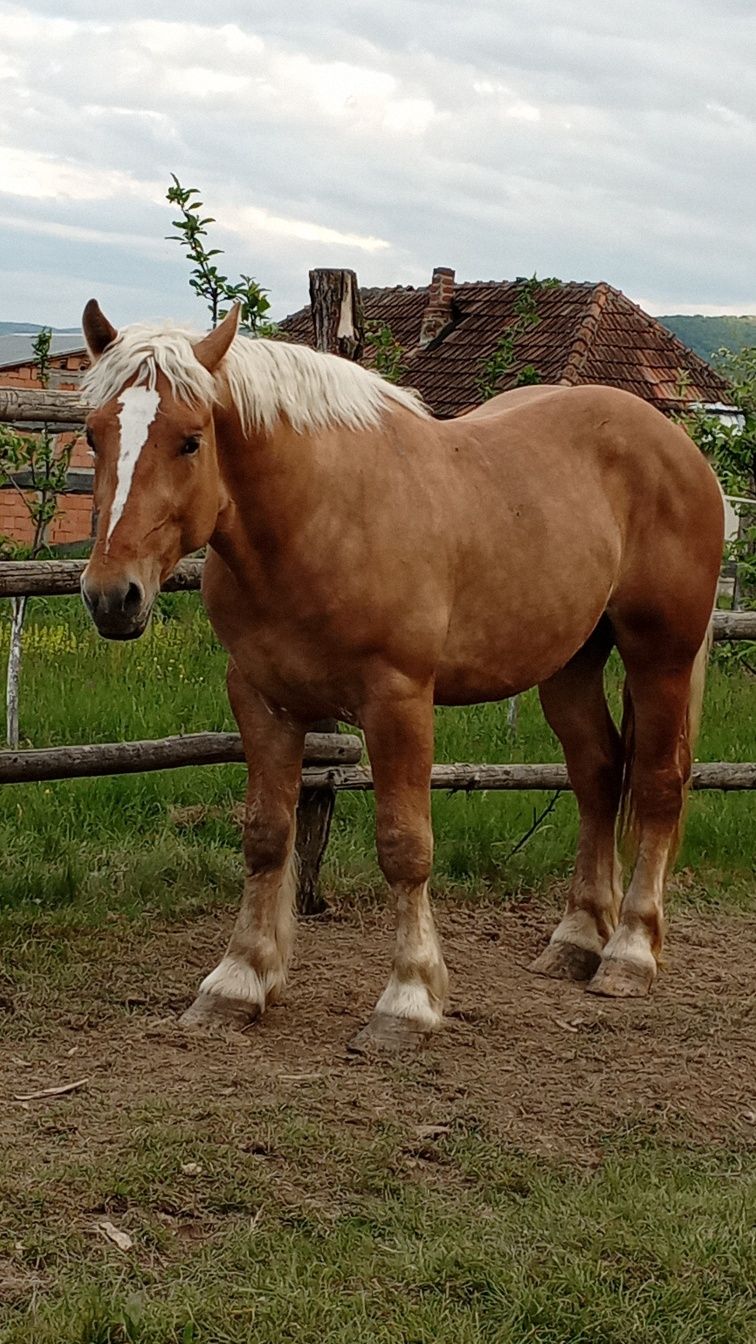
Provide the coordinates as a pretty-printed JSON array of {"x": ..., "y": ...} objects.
[{"x": 585, "y": 333}]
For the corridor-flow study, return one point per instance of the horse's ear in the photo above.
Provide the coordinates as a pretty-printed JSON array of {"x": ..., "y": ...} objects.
[
  {"x": 98, "y": 332},
  {"x": 211, "y": 349}
]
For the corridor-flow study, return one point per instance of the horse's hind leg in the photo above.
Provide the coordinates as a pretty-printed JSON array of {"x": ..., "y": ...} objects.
[
  {"x": 575, "y": 706},
  {"x": 660, "y": 770}
]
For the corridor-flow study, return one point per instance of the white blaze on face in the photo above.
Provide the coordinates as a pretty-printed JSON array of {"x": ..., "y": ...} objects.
[{"x": 138, "y": 410}]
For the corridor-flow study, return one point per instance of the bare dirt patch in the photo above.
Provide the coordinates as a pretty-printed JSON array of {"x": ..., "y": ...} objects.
[{"x": 543, "y": 1066}]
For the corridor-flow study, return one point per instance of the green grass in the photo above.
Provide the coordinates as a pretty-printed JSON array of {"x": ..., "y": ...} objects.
[
  {"x": 310, "y": 1233},
  {"x": 91, "y": 844}
]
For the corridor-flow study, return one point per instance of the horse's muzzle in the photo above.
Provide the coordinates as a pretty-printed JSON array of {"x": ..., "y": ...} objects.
[{"x": 119, "y": 608}]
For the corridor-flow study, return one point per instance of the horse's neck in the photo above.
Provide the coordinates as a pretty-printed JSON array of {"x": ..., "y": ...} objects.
[{"x": 270, "y": 481}]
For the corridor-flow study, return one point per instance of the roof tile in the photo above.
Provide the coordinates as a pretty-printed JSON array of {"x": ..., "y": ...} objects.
[{"x": 585, "y": 333}]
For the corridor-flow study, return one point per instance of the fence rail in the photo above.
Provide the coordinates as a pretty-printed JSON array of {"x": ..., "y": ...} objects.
[
  {"x": 164, "y": 753},
  {"x": 61, "y": 578},
  {"x": 59, "y": 410},
  {"x": 331, "y": 762},
  {"x": 724, "y": 775}
]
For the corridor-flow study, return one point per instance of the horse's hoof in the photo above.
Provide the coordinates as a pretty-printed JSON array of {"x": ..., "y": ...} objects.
[
  {"x": 566, "y": 961},
  {"x": 387, "y": 1033},
  {"x": 623, "y": 979},
  {"x": 211, "y": 1010}
]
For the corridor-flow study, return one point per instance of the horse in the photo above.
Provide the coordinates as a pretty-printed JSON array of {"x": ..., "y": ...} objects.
[{"x": 366, "y": 561}]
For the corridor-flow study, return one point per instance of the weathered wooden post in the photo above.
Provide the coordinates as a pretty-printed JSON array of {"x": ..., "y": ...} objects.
[
  {"x": 337, "y": 313},
  {"x": 338, "y": 329}
]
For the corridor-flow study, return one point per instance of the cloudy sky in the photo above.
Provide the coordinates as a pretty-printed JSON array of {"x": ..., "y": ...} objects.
[{"x": 588, "y": 140}]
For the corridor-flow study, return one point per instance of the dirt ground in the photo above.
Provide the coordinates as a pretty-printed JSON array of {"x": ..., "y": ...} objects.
[{"x": 544, "y": 1066}]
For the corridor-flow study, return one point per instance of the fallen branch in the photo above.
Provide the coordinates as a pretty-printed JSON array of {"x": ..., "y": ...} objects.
[{"x": 52, "y": 1091}]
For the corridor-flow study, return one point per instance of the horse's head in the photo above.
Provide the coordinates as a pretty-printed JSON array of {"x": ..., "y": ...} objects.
[{"x": 156, "y": 481}]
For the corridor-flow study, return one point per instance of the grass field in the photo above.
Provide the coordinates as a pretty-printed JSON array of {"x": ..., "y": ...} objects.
[
  {"x": 504, "y": 1249},
  {"x": 556, "y": 1169}
]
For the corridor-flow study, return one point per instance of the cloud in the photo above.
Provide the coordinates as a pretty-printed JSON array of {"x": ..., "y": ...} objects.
[{"x": 573, "y": 139}]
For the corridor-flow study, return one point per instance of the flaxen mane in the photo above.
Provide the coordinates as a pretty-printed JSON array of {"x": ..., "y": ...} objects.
[{"x": 266, "y": 379}]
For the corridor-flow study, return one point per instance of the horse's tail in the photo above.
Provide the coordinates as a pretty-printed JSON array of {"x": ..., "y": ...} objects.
[
  {"x": 628, "y": 828},
  {"x": 697, "y": 685}
]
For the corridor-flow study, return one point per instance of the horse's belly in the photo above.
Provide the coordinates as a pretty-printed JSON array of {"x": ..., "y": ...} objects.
[{"x": 500, "y": 649}]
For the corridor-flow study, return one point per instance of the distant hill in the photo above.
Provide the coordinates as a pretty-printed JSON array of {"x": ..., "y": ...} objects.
[
  {"x": 14, "y": 328},
  {"x": 706, "y": 335}
]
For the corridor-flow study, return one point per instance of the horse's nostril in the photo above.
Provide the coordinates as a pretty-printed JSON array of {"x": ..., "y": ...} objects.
[
  {"x": 133, "y": 600},
  {"x": 117, "y": 606}
]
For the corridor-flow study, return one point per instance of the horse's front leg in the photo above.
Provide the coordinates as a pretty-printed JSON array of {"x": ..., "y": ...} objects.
[
  {"x": 399, "y": 737},
  {"x": 252, "y": 974}
]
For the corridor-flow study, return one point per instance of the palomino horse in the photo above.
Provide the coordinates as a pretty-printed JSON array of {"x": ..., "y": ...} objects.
[{"x": 365, "y": 561}]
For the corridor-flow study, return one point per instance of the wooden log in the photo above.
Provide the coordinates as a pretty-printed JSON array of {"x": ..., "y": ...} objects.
[
  {"x": 330, "y": 764},
  {"x": 38, "y": 406},
  {"x": 734, "y": 625},
  {"x": 726, "y": 775},
  {"x": 337, "y": 320},
  {"x": 338, "y": 329},
  {"x": 167, "y": 753},
  {"x": 61, "y": 578},
  {"x": 462, "y": 778}
]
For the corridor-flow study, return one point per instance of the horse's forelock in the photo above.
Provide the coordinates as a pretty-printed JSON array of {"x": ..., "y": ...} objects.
[{"x": 139, "y": 353}]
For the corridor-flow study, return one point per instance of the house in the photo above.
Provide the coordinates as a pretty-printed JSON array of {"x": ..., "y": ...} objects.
[
  {"x": 68, "y": 358},
  {"x": 462, "y": 342}
]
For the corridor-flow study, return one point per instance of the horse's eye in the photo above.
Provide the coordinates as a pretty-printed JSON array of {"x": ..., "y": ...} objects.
[
  {"x": 89, "y": 436},
  {"x": 190, "y": 445}
]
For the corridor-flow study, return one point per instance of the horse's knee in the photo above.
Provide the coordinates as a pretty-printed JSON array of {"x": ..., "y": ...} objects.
[
  {"x": 267, "y": 839},
  {"x": 405, "y": 852}
]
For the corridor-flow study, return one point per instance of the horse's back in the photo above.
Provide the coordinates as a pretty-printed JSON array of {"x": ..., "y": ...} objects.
[{"x": 507, "y": 401}]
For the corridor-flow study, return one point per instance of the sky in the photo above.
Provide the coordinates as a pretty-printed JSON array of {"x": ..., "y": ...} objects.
[{"x": 590, "y": 141}]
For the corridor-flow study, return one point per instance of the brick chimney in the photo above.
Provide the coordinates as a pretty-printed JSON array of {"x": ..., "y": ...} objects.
[{"x": 439, "y": 310}]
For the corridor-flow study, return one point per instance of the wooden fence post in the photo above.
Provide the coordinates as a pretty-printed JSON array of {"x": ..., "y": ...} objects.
[
  {"x": 338, "y": 329},
  {"x": 744, "y": 588}
]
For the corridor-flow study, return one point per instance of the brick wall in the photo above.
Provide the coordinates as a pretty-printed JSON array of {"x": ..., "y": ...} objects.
[{"x": 74, "y": 521}]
